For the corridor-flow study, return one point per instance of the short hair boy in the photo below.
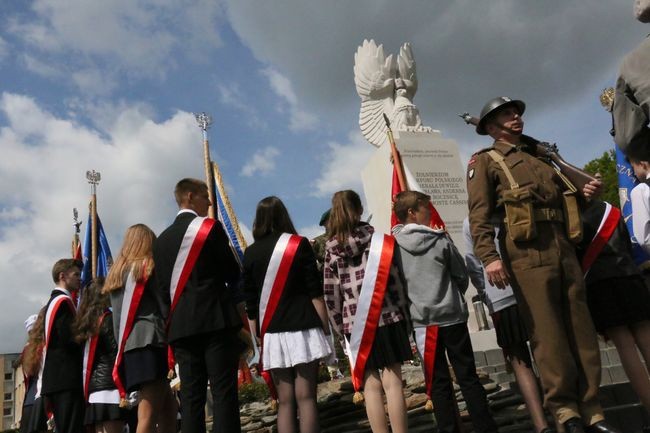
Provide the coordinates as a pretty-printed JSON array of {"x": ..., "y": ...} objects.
[{"x": 436, "y": 280}]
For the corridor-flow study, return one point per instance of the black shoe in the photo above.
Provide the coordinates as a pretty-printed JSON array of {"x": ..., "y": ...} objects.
[
  {"x": 574, "y": 425},
  {"x": 601, "y": 427}
]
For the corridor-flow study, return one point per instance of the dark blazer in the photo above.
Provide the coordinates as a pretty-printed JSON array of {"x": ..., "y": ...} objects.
[
  {"x": 63, "y": 361},
  {"x": 295, "y": 310},
  {"x": 206, "y": 303}
]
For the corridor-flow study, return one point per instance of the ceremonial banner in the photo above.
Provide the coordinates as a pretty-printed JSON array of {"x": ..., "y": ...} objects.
[
  {"x": 104, "y": 258},
  {"x": 412, "y": 184},
  {"x": 225, "y": 214},
  {"x": 627, "y": 181}
]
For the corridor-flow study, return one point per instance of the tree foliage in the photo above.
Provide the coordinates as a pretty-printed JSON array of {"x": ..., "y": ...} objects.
[{"x": 606, "y": 166}]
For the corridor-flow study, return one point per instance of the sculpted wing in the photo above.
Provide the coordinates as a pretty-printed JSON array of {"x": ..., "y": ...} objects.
[
  {"x": 374, "y": 77},
  {"x": 406, "y": 69}
]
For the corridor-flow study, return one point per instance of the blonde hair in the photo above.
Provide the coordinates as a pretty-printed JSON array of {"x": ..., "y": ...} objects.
[
  {"x": 136, "y": 256},
  {"x": 345, "y": 215}
]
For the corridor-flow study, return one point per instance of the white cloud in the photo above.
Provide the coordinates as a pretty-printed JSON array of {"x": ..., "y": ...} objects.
[
  {"x": 40, "y": 67},
  {"x": 42, "y": 177},
  {"x": 144, "y": 38},
  {"x": 547, "y": 53},
  {"x": 261, "y": 163},
  {"x": 299, "y": 119},
  {"x": 343, "y": 165}
]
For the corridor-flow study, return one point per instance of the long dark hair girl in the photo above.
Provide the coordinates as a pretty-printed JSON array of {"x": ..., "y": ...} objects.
[
  {"x": 271, "y": 216},
  {"x": 345, "y": 215},
  {"x": 93, "y": 304}
]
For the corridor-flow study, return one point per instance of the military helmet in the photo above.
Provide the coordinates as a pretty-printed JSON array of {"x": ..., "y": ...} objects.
[{"x": 494, "y": 104}]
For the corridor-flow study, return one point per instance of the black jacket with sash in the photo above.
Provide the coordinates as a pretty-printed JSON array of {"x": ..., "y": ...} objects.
[
  {"x": 615, "y": 260},
  {"x": 64, "y": 358},
  {"x": 206, "y": 303}
]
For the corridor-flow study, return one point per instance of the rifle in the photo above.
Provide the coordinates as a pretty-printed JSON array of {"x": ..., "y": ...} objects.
[{"x": 578, "y": 177}]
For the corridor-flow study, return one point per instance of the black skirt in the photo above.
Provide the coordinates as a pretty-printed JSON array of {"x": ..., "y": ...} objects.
[
  {"x": 102, "y": 412},
  {"x": 144, "y": 365},
  {"x": 34, "y": 419},
  {"x": 391, "y": 346},
  {"x": 512, "y": 336},
  {"x": 618, "y": 302}
]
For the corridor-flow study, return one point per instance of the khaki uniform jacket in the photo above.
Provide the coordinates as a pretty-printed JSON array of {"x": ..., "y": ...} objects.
[{"x": 486, "y": 182}]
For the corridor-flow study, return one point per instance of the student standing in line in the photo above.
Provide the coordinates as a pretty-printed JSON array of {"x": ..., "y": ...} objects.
[
  {"x": 436, "y": 280},
  {"x": 286, "y": 308},
  {"x": 349, "y": 251},
  {"x": 93, "y": 327},
  {"x": 131, "y": 284}
]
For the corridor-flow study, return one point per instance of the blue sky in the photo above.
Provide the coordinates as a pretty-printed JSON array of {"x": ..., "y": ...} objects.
[{"x": 111, "y": 86}]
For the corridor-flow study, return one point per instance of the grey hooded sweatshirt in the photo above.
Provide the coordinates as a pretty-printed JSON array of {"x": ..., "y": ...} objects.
[{"x": 435, "y": 274}]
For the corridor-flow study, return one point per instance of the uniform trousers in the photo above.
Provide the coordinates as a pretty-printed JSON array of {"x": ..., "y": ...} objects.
[
  {"x": 68, "y": 408},
  {"x": 550, "y": 290},
  {"x": 212, "y": 356},
  {"x": 454, "y": 340}
]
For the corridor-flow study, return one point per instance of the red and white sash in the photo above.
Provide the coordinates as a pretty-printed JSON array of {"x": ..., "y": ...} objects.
[
  {"x": 191, "y": 246},
  {"x": 272, "y": 289},
  {"x": 426, "y": 340},
  {"x": 607, "y": 226},
  {"x": 50, "y": 316},
  {"x": 276, "y": 277},
  {"x": 133, "y": 291},
  {"x": 371, "y": 300},
  {"x": 89, "y": 356}
]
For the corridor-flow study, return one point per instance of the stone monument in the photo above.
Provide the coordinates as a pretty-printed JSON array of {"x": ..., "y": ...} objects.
[{"x": 387, "y": 85}]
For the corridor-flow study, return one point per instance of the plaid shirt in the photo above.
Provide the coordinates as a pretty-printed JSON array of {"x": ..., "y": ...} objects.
[{"x": 343, "y": 274}]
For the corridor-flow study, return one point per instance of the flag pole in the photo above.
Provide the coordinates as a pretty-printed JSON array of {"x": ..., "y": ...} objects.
[
  {"x": 397, "y": 159},
  {"x": 77, "y": 229},
  {"x": 93, "y": 179},
  {"x": 205, "y": 120}
]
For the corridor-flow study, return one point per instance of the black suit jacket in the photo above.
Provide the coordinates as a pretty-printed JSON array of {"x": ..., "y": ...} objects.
[
  {"x": 206, "y": 303},
  {"x": 64, "y": 358}
]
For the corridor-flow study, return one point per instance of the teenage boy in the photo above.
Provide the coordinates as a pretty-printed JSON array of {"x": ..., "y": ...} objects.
[
  {"x": 61, "y": 381},
  {"x": 436, "y": 280}
]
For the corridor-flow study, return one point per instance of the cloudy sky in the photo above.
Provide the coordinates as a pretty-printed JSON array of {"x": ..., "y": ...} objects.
[{"x": 112, "y": 86}]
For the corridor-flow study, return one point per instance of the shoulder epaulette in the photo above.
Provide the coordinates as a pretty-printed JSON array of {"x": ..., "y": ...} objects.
[{"x": 472, "y": 158}]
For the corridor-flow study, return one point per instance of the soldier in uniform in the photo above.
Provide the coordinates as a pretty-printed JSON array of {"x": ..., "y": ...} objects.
[{"x": 509, "y": 185}]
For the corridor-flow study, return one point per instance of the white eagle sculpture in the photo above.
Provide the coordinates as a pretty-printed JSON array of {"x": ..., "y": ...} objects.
[{"x": 386, "y": 86}]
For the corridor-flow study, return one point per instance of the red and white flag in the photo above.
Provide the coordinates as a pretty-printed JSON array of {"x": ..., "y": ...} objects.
[{"x": 412, "y": 185}]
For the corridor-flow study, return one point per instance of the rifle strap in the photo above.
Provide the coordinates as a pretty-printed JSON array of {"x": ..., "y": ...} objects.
[{"x": 498, "y": 158}]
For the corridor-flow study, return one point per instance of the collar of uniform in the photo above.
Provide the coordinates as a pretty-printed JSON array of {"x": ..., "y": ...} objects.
[
  {"x": 504, "y": 147},
  {"x": 65, "y": 291}
]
